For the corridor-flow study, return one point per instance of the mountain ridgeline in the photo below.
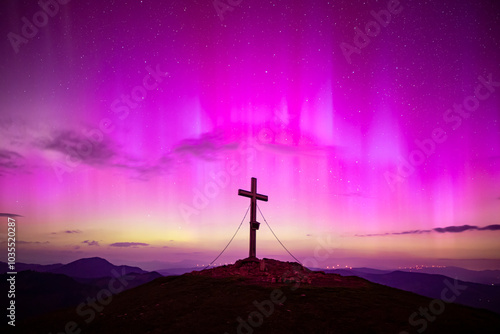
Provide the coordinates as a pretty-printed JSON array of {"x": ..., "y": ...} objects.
[
  {"x": 41, "y": 289},
  {"x": 265, "y": 296}
]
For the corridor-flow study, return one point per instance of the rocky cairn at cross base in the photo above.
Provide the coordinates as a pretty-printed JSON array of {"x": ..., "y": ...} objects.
[{"x": 270, "y": 271}]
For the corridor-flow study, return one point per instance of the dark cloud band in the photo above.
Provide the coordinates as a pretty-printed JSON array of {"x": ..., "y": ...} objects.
[
  {"x": 9, "y": 215},
  {"x": 128, "y": 244},
  {"x": 448, "y": 229}
]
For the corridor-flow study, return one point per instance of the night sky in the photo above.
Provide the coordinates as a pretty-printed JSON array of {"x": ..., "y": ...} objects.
[{"x": 127, "y": 128}]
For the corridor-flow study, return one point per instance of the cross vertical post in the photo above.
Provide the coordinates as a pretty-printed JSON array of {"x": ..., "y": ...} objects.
[{"x": 254, "y": 225}]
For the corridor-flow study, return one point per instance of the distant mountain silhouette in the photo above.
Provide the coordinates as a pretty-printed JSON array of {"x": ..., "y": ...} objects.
[
  {"x": 39, "y": 292},
  {"x": 176, "y": 271},
  {"x": 475, "y": 295},
  {"x": 265, "y": 297},
  {"x": 94, "y": 267},
  {"x": 26, "y": 266},
  {"x": 372, "y": 271},
  {"x": 487, "y": 277}
]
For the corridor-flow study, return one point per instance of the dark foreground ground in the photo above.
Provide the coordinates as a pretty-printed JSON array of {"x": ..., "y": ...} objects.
[{"x": 204, "y": 304}]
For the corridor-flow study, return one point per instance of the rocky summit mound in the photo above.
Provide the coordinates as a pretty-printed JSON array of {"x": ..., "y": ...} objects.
[
  {"x": 269, "y": 272},
  {"x": 262, "y": 296}
]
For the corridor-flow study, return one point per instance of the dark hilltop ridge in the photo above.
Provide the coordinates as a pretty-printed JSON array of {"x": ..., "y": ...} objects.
[
  {"x": 268, "y": 272},
  {"x": 267, "y": 296}
]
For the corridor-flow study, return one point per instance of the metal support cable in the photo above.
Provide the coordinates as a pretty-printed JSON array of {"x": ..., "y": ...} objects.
[
  {"x": 276, "y": 236},
  {"x": 229, "y": 240}
]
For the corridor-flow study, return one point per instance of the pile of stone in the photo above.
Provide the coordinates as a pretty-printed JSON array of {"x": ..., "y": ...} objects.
[{"x": 264, "y": 270}]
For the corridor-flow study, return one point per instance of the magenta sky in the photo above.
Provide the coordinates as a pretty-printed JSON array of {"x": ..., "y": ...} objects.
[{"x": 126, "y": 130}]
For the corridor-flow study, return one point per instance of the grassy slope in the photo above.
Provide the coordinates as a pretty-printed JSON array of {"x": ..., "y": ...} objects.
[{"x": 190, "y": 304}]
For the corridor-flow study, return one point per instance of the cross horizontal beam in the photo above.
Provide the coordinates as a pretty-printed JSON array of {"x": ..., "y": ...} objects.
[{"x": 251, "y": 195}]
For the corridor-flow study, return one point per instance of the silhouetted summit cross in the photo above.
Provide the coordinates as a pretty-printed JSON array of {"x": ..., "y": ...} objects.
[{"x": 254, "y": 225}]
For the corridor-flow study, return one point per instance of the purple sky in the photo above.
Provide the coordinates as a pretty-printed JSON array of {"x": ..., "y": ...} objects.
[{"x": 373, "y": 126}]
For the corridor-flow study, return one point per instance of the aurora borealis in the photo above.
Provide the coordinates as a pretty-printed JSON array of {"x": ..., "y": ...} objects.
[{"x": 126, "y": 129}]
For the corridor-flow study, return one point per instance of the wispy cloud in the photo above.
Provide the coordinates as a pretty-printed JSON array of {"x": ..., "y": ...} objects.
[
  {"x": 91, "y": 243},
  {"x": 207, "y": 147},
  {"x": 448, "y": 229},
  {"x": 72, "y": 231},
  {"x": 68, "y": 232},
  {"x": 455, "y": 229},
  {"x": 108, "y": 153},
  {"x": 494, "y": 227},
  {"x": 128, "y": 244},
  {"x": 104, "y": 154},
  {"x": 144, "y": 170},
  {"x": 2, "y": 214},
  {"x": 10, "y": 161},
  {"x": 77, "y": 146},
  {"x": 72, "y": 145}
]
